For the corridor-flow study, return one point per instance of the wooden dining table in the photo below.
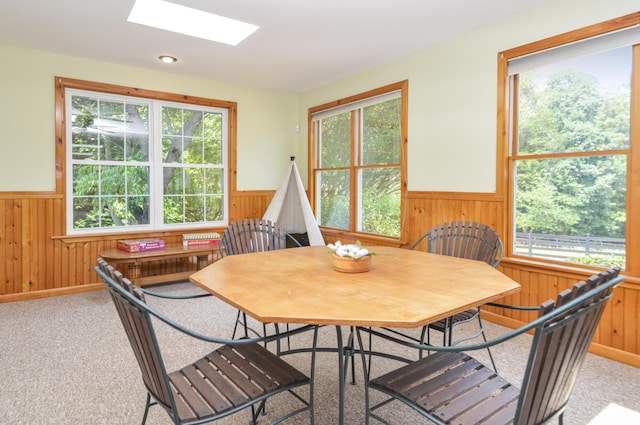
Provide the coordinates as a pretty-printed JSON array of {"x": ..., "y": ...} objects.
[{"x": 403, "y": 289}]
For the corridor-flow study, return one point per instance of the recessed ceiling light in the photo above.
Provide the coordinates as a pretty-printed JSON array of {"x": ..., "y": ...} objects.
[
  {"x": 167, "y": 59},
  {"x": 185, "y": 20}
]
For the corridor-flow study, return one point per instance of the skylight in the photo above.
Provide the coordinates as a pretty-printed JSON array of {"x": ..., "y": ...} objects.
[{"x": 185, "y": 20}]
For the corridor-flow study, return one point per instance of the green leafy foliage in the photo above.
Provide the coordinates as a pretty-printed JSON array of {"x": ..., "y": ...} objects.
[
  {"x": 111, "y": 169},
  {"x": 572, "y": 195},
  {"x": 377, "y": 199},
  {"x": 600, "y": 260},
  {"x": 581, "y": 189}
]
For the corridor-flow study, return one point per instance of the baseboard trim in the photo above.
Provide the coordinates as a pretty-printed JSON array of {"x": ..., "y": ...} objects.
[{"x": 25, "y": 296}]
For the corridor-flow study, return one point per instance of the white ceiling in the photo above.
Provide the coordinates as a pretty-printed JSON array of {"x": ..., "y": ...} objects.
[{"x": 300, "y": 45}]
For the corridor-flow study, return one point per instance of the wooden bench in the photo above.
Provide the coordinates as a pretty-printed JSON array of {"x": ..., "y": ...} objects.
[{"x": 134, "y": 261}]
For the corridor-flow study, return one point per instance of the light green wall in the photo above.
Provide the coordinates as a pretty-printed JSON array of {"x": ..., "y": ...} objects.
[
  {"x": 453, "y": 93},
  {"x": 452, "y": 104},
  {"x": 266, "y": 119}
]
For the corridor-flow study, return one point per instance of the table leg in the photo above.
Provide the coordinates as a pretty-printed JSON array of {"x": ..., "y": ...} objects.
[
  {"x": 351, "y": 348},
  {"x": 344, "y": 351},
  {"x": 341, "y": 376}
]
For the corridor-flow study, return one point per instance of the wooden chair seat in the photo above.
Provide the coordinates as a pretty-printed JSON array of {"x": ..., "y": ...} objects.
[
  {"x": 453, "y": 385},
  {"x": 229, "y": 378}
]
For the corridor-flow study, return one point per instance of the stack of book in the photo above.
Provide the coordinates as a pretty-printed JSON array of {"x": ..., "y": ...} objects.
[
  {"x": 141, "y": 245},
  {"x": 199, "y": 239}
]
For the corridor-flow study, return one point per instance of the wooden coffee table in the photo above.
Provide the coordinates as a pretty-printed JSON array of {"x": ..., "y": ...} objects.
[{"x": 134, "y": 261}]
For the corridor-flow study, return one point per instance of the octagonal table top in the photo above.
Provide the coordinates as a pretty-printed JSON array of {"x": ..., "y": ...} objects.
[{"x": 404, "y": 288}]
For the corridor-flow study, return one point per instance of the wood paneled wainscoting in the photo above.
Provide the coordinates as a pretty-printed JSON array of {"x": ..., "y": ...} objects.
[
  {"x": 38, "y": 260},
  {"x": 618, "y": 335}
]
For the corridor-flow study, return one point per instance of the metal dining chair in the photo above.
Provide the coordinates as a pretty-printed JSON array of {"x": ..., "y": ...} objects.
[
  {"x": 252, "y": 235},
  {"x": 247, "y": 236},
  {"x": 237, "y": 375},
  {"x": 462, "y": 239},
  {"x": 452, "y": 387}
]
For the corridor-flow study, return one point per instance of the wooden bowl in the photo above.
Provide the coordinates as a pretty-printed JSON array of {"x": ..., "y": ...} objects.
[{"x": 352, "y": 265}]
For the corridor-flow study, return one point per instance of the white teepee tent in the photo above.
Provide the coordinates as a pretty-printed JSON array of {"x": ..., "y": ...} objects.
[{"x": 290, "y": 208}]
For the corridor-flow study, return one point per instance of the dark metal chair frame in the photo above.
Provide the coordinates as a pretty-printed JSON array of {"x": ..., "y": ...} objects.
[
  {"x": 450, "y": 386},
  {"x": 462, "y": 239},
  {"x": 247, "y": 236},
  {"x": 237, "y": 375},
  {"x": 254, "y": 235}
]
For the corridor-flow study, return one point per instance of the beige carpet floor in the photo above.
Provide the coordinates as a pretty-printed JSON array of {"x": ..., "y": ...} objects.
[{"x": 66, "y": 360}]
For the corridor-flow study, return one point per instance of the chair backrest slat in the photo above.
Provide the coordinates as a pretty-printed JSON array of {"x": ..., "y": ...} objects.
[
  {"x": 253, "y": 235},
  {"x": 137, "y": 324},
  {"x": 470, "y": 240},
  {"x": 558, "y": 350}
]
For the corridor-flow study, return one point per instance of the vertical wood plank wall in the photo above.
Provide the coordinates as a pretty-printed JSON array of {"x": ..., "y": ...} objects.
[{"x": 37, "y": 260}]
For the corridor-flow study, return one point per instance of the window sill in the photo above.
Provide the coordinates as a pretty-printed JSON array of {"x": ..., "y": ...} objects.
[
  {"x": 363, "y": 237},
  {"x": 569, "y": 269}
]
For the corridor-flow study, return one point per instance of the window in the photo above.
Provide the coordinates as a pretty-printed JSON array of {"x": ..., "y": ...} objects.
[
  {"x": 139, "y": 163},
  {"x": 570, "y": 146},
  {"x": 359, "y": 159}
]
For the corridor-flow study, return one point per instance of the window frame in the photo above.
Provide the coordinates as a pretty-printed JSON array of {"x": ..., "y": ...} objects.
[
  {"x": 507, "y": 129},
  {"x": 401, "y": 87},
  {"x": 63, "y": 167}
]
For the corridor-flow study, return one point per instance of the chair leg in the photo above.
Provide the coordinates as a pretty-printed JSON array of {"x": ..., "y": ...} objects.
[
  {"x": 277, "y": 330},
  {"x": 353, "y": 368},
  {"x": 246, "y": 326},
  {"x": 447, "y": 332},
  {"x": 366, "y": 370},
  {"x": 484, "y": 337},
  {"x": 424, "y": 332},
  {"x": 235, "y": 326},
  {"x": 264, "y": 333},
  {"x": 428, "y": 340},
  {"x": 146, "y": 409},
  {"x": 256, "y": 412}
]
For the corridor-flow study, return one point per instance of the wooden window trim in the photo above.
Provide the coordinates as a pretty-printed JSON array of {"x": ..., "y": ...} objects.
[
  {"x": 62, "y": 84},
  {"x": 504, "y": 169},
  {"x": 403, "y": 87}
]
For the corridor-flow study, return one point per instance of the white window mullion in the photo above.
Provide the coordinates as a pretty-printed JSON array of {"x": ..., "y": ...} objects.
[
  {"x": 225, "y": 163},
  {"x": 157, "y": 169},
  {"x": 85, "y": 151}
]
